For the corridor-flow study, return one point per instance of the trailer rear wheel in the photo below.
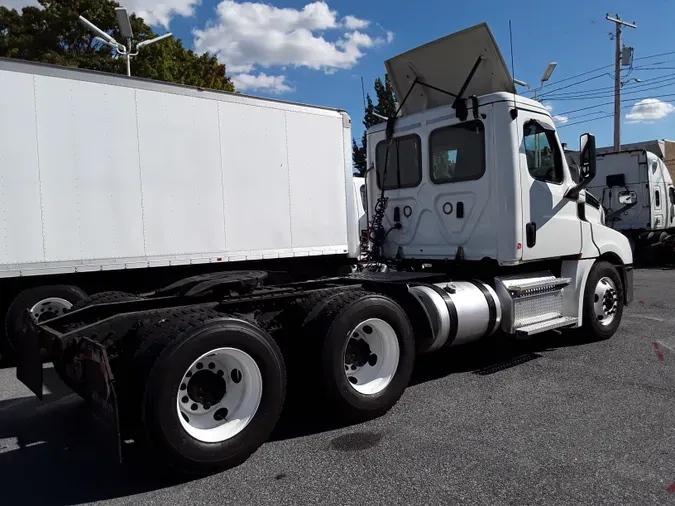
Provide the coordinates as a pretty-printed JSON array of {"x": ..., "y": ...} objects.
[
  {"x": 367, "y": 355},
  {"x": 45, "y": 302},
  {"x": 213, "y": 388},
  {"x": 603, "y": 301}
]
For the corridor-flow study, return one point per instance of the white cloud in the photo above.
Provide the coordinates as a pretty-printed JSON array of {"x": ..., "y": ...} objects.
[
  {"x": 261, "y": 82},
  {"x": 161, "y": 13},
  {"x": 354, "y": 23},
  {"x": 153, "y": 12},
  {"x": 649, "y": 109},
  {"x": 19, "y": 4},
  {"x": 560, "y": 119},
  {"x": 247, "y": 35},
  {"x": 390, "y": 37},
  {"x": 548, "y": 107}
]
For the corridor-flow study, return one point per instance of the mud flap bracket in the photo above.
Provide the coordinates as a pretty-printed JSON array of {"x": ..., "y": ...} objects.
[
  {"x": 99, "y": 385},
  {"x": 28, "y": 355}
]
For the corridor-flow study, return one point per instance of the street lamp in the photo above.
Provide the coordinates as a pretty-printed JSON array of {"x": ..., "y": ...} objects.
[
  {"x": 636, "y": 79},
  {"x": 547, "y": 75},
  {"x": 124, "y": 24}
]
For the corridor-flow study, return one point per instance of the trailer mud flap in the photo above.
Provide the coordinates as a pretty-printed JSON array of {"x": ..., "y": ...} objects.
[
  {"x": 28, "y": 356},
  {"x": 99, "y": 385}
]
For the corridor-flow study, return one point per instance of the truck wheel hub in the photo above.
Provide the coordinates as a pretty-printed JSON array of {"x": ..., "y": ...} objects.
[
  {"x": 207, "y": 388},
  {"x": 371, "y": 356},
  {"x": 219, "y": 395},
  {"x": 49, "y": 308},
  {"x": 606, "y": 301}
]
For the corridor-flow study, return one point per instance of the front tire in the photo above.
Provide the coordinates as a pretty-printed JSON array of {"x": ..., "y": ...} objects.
[
  {"x": 214, "y": 388},
  {"x": 603, "y": 301}
]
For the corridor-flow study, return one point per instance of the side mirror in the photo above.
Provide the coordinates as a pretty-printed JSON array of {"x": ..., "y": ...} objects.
[
  {"x": 588, "y": 158},
  {"x": 627, "y": 198},
  {"x": 587, "y": 166}
]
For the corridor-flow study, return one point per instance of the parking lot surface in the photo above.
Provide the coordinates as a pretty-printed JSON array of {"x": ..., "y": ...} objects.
[{"x": 549, "y": 421}]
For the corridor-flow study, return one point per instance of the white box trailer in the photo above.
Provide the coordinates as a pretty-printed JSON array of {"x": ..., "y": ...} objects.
[{"x": 100, "y": 172}]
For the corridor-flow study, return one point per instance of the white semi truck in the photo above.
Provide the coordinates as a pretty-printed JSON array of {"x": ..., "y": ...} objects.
[
  {"x": 475, "y": 227},
  {"x": 636, "y": 191}
]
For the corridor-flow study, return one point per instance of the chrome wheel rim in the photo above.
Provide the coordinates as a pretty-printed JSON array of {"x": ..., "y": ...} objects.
[{"x": 605, "y": 301}]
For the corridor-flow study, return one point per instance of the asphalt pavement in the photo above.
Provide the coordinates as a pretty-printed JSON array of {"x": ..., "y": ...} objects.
[{"x": 550, "y": 421}]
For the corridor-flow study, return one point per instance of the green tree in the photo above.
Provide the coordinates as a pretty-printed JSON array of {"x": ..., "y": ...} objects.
[
  {"x": 52, "y": 34},
  {"x": 386, "y": 106}
]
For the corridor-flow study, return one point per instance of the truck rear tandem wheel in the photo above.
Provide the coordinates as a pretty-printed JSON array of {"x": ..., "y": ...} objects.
[
  {"x": 201, "y": 389},
  {"x": 199, "y": 371},
  {"x": 44, "y": 302},
  {"x": 352, "y": 352}
]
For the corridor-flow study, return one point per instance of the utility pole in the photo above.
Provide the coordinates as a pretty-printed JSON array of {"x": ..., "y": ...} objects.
[{"x": 617, "y": 77}]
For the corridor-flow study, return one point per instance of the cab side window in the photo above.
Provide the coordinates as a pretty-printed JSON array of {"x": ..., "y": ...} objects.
[
  {"x": 544, "y": 160},
  {"x": 457, "y": 153},
  {"x": 671, "y": 195},
  {"x": 403, "y": 162}
]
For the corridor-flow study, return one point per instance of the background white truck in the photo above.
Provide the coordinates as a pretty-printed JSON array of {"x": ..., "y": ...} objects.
[
  {"x": 474, "y": 230},
  {"x": 636, "y": 191},
  {"x": 111, "y": 183}
]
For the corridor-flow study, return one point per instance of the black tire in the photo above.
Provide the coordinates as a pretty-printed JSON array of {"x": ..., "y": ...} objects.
[
  {"x": 592, "y": 326},
  {"x": 26, "y": 300},
  {"x": 325, "y": 333},
  {"x": 62, "y": 362},
  {"x": 165, "y": 350}
]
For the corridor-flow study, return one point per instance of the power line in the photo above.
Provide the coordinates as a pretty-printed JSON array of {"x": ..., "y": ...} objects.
[
  {"x": 573, "y": 84},
  {"x": 585, "y": 121},
  {"x": 555, "y": 83},
  {"x": 593, "y": 91},
  {"x": 654, "y": 68},
  {"x": 584, "y": 115},
  {"x": 636, "y": 99},
  {"x": 596, "y": 96}
]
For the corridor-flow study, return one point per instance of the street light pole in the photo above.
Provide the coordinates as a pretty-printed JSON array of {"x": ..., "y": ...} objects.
[
  {"x": 129, "y": 57},
  {"x": 617, "y": 77},
  {"x": 124, "y": 24}
]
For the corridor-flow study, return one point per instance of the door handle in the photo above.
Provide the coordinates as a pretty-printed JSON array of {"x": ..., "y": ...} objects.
[{"x": 531, "y": 234}]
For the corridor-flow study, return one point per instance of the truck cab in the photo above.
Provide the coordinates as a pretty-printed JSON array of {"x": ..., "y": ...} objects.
[
  {"x": 494, "y": 184},
  {"x": 636, "y": 191}
]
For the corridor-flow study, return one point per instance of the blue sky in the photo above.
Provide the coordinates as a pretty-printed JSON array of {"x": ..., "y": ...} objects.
[{"x": 316, "y": 52}]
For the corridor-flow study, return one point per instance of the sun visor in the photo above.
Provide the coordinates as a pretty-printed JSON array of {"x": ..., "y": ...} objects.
[{"x": 445, "y": 64}]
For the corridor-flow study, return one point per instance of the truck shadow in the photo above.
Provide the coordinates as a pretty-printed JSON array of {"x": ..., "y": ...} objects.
[{"x": 58, "y": 459}]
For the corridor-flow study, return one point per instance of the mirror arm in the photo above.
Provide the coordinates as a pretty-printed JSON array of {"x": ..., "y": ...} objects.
[{"x": 573, "y": 193}]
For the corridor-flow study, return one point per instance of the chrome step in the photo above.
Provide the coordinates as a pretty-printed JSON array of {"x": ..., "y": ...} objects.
[
  {"x": 537, "y": 328},
  {"x": 535, "y": 286}
]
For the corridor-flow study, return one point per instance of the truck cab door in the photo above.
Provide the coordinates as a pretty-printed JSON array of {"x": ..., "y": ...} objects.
[
  {"x": 657, "y": 207},
  {"x": 551, "y": 225}
]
